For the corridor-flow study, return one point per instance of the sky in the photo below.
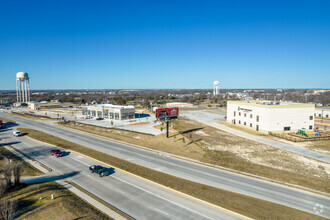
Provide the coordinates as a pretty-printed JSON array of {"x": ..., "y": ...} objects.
[{"x": 108, "y": 44}]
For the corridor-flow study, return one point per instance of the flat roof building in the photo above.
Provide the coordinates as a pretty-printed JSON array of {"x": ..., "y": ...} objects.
[
  {"x": 43, "y": 105},
  {"x": 109, "y": 111},
  {"x": 267, "y": 116},
  {"x": 179, "y": 104}
]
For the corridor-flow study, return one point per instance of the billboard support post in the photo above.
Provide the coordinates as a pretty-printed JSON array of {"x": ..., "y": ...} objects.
[{"x": 167, "y": 122}]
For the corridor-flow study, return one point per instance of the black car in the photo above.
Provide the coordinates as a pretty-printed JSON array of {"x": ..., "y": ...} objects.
[{"x": 102, "y": 171}]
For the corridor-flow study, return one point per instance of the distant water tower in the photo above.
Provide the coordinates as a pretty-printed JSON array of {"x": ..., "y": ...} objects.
[
  {"x": 22, "y": 87},
  {"x": 216, "y": 88}
]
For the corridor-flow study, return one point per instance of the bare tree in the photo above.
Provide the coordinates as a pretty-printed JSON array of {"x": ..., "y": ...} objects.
[
  {"x": 7, "y": 209},
  {"x": 7, "y": 172},
  {"x": 3, "y": 187},
  {"x": 18, "y": 169}
]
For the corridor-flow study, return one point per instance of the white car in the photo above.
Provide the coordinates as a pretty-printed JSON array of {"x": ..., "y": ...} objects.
[{"x": 17, "y": 133}]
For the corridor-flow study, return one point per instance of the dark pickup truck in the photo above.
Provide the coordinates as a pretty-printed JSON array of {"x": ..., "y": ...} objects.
[
  {"x": 56, "y": 153},
  {"x": 102, "y": 171}
]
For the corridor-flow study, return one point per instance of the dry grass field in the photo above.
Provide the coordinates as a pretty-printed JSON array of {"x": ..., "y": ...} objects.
[
  {"x": 65, "y": 204},
  {"x": 28, "y": 169},
  {"x": 5, "y": 120},
  {"x": 249, "y": 206},
  {"x": 206, "y": 144},
  {"x": 30, "y": 116}
]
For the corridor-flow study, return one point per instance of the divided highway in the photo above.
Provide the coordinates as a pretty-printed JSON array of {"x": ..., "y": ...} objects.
[
  {"x": 277, "y": 193},
  {"x": 138, "y": 198}
]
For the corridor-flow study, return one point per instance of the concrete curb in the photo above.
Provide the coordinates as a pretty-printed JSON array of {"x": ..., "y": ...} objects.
[
  {"x": 155, "y": 183},
  {"x": 165, "y": 154},
  {"x": 70, "y": 187}
]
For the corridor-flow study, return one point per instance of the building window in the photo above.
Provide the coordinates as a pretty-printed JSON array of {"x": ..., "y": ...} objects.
[
  {"x": 251, "y": 125},
  {"x": 244, "y": 114},
  {"x": 234, "y": 113},
  {"x": 286, "y": 128},
  {"x": 319, "y": 115},
  {"x": 257, "y": 118},
  {"x": 239, "y": 122},
  {"x": 311, "y": 127},
  {"x": 244, "y": 123},
  {"x": 239, "y": 114},
  {"x": 327, "y": 116},
  {"x": 250, "y": 115},
  {"x": 310, "y": 117}
]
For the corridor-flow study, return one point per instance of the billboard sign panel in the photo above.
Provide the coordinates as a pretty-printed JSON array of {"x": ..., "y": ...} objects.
[{"x": 162, "y": 113}]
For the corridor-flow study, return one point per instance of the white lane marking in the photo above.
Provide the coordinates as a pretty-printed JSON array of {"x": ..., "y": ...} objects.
[
  {"x": 78, "y": 159},
  {"x": 161, "y": 211},
  {"x": 118, "y": 190},
  {"x": 161, "y": 197}
]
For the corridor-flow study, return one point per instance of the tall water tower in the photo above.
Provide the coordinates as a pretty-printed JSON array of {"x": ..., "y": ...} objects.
[
  {"x": 216, "y": 88},
  {"x": 22, "y": 87}
]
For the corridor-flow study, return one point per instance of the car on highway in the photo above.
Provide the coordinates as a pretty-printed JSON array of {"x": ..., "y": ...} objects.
[
  {"x": 56, "y": 153},
  {"x": 100, "y": 170},
  {"x": 17, "y": 133}
]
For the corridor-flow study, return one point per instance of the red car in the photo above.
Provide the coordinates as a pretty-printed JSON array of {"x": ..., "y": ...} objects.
[{"x": 56, "y": 153}]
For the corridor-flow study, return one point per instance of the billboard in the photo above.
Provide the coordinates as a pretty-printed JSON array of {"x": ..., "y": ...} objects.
[{"x": 162, "y": 113}]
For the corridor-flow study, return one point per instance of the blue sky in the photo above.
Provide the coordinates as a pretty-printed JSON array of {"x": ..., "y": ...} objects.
[{"x": 109, "y": 44}]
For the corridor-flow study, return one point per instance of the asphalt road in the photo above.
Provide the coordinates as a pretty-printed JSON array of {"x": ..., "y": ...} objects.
[
  {"x": 138, "y": 198},
  {"x": 277, "y": 193}
]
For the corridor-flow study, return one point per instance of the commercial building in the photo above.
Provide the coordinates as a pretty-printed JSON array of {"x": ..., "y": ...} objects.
[
  {"x": 266, "y": 116},
  {"x": 179, "y": 104},
  {"x": 322, "y": 113},
  {"x": 108, "y": 111},
  {"x": 43, "y": 105}
]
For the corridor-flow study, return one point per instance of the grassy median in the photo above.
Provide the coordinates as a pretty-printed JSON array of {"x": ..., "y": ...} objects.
[
  {"x": 31, "y": 116},
  {"x": 249, "y": 206},
  {"x": 192, "y": 140}
]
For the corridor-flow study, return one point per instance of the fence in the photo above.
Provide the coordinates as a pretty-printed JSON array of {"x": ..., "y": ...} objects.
[{"x": 293, "y": 138}]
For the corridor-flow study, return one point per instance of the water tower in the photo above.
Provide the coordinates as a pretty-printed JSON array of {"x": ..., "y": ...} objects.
[
  {"x": 22, "y": 87},
  {"x": 216, "y": 88}
]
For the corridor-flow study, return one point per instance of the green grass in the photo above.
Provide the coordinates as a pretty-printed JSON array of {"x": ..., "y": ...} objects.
[{"x": 249, "y": 206}]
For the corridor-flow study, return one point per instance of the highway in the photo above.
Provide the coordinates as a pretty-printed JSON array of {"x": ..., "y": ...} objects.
[
  {"x": 136, "y": 197},
  {"x": 277, "y": 193}
]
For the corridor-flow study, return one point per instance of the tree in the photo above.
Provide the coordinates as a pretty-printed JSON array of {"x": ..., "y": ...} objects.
[
  {"x": 3, "y": 187},
  {"x": 7, "y": 209},
  {"x": 7, "y": 172},
  {"x": 18, "y": 169}
]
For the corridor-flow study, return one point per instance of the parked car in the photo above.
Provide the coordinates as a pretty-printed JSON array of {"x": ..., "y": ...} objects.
[
  {"x": 99, "y": 119},
  {"x": 88, "y": 117},
  {"x": 56, "y": 153},
  {"x": 17, "y": 133},
  {"x": 102, "y": 171}
]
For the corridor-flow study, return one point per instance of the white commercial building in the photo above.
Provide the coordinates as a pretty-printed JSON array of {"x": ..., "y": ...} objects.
[
  {"x": 322, "y": 112},
  {"x": 108, "y": 111},
  {"x": 266, "y": 116}
]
